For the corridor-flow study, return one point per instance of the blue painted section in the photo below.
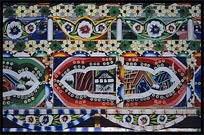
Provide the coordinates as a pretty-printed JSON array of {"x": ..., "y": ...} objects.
[{"x": 142, "y": 85}]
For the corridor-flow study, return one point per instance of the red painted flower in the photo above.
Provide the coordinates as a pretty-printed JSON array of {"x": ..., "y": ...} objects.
[{"x": 85, "y": 29}]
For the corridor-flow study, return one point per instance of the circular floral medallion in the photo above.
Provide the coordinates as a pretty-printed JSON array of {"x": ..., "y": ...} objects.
[
  {"x": 128, "y": 119},
  {"x": 30, "y": 28},
  {"x": 64, "y": 119},
  {"x": 101, "y": 28},
  {"x": 68, "y": 27},
  {"x": 46, "y": 120},
  {"x": 143, "y": 120},
  {"x": 85, "y": 29},
  {"x": 30, "y": 119},
  {"x": 137, "y": 28},
  {"x": 171, "y": 28},
  {"x": 155, "y": 29},
  {"x": 162, "y": 119},
  {"x": 14, "y": 30}
]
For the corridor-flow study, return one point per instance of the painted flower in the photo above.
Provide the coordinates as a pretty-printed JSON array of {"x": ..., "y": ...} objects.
[
  {"x": 100, "y": 28},
  {"x": 143, "y": 120},
  {"x": 191, "y": 61},
  {"x": 125, "y": 10},
  {"x": 66, "y": 45},
  {"x": 114, "y": 45},
  {"x": 14, "y": 30},
  {"x": 171, "y": 45},
  {"x": 171, "y": 28},
  {"x": 43, "y": 45},
  {"x": 46, "y": 120},
  {"x": 9, "y": 12},
  {"x": 68, "y": 10},
  {"x": 193, "y": 45},
  {"x": 8, "y": 46},
  {"x": 78, "y": 45},
  {"x": 137, "y": 10},
  {"x": 20, "y": 46},
  {"x": 33, "y": 11},
  {"x": 103, "y": 10},
  {"x": 21, "y": 11},
  {"x": 85, "y": 29},
  {"x": 149, "y": 11},
  {"x": 183, "y": 45},
  {"x": 148, "y": 45},
  {"x": 31, "y": 46},
  {"x": 55, "y": 45},
  {"x": 160, "y": 11},
  {"x": 159, "y": 45},
  {"x": 184, "y": 11},
  {"x": 102, "y": 45},
  {"x": 172, "y": 11},
  {"x": 79, "y": 10},
  {"x": 155, "y": 29},
  {"x": 162, "y": 119},
  {"x": 114, "y": 11},
  {"x": 45, "y": 11},
  {"x": 56, "y": 10},
  {"x": 195, "y": 10},
  {"x": 125, "y": 45},
  {"x": 128, "y": 119},
  {"x": 91, "y": 10},
  {"x": 90, "y": 45},
  {"x": 135, "y": 45},
  {"x": 64, "y": 119},
  {"x": 30, "y": 28},
  {"x": 137, "y": 28},
  {"x": 30, "y": 119},
  {"x": 68, "y": 27}
]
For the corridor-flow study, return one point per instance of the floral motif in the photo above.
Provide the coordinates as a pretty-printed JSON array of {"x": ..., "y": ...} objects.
[
  {"x": 193, "y": 45},
  {"x": 137, "y": 10},
  {"x": 172, "y": 46},
  {"x": 90, "y": 45},
  {"x": 20, "y": 46},
  {"x": 79, "y": 10},
  {"x": 91, "y": 10},
  {"x": 33, "y": 11},
  {"x": 9, "y": 12},
  {"x": 128, "y": 119},
  {"x": 85, "y": 29},
  {"x": 56, "y": 10},
  {"x": 172, "y": 11},
  {"x": 160, "y": 11},
  {"x": 101, "y": 28},
  {"x": 125, "y": 45},
  {"x": 30, "y": 28},
  {"x": 184, "y": 11},
  {"x": 30, "y": 119},
  {"x": 68, "y": 27},
  {"x": 55, "y": 45},
  {"x": 162, "y": 119},
  {"x": 192, "y": 61},
  {"x": 14, "y": 30},
  {"x": 195, "y": 10},
  {"x": 102, "y": 45},
  {"x": 125, "y": 11},
  {"x": 45, "y": 11},
  {"x": 149, "y": 11},
  {"x": 135, "y": 46},
  {"x": 171, "y": 28},
  {"x": 137, "y": 28},
  {"x": 46, "y": 120},
  {"x": 21, "y": 11},
  {"x": 155, "y": 29},
  {"x": 64, "y": 119},
  {"x": 68, "y": 10},
  {"x": 78, "y": 44},
  {"x": 31, "y": 46},
  {"x": 159, "y": 45},
  {"x": 8, "y": 46},
  {"x": 43, "y": 45},
  {"x": 103, "y": 10},
  {"x": 66, "y": 45},
  {"x": 183, "y": 45},
  {"x": 114, "y": 11},
  {"x": 114, "y": 45},
  {"x": 143, "y": 120},
  {"x": 148, "y": 45}
]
